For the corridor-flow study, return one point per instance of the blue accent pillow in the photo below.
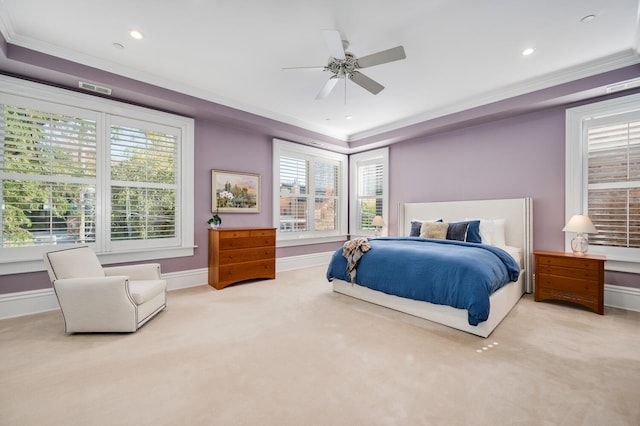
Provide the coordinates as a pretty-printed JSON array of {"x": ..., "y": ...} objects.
[
  {"x": 473, "y": 231},
  {"x": 457, "y": 231},
  {"x": 415, "y": 228}
]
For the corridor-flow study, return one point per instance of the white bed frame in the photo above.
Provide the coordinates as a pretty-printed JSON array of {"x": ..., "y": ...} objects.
[{"x": 517, "y": 213}]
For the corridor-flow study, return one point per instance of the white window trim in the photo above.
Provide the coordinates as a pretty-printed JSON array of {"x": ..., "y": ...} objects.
[
  {"x": 382, "y": 157},
  {"x": 281, "y": 147},
  {"x": 576, "y": 175},
  {"x": 30, "y": 258}
]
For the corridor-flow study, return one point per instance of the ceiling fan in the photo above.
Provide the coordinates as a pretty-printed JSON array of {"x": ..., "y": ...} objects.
[{"x": 345, "y": 65}]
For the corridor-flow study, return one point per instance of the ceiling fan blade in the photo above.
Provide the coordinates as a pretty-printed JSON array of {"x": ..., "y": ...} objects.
[
  {"x": 334, "y": 43},
  {"x": 389, "y": 55},
  {"x": 304, "y": 68},
  {"x": 366, "y": 83},
  {"x": 328, "y": 87}
]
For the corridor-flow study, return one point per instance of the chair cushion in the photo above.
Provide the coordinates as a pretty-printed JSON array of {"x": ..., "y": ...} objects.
[
  {"x": 77, "y": 262},
  {"x": 143, "y": 291}
]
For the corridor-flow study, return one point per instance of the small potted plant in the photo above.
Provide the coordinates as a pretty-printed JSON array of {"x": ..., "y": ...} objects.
[{"x": 215, "y": 220}]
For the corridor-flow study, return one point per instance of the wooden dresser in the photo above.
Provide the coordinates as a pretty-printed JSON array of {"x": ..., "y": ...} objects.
[
  {"x": 564, "y": 276},
  {"x": 238, "y": 254}
]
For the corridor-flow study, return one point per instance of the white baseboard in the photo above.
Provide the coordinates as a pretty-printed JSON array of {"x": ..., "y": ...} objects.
[
  {"x": 27, "y": 302},
  {"x": 303, "y": 261},
  {"x": 35, "y": 301},
  {"x": 622, "y": 297}
]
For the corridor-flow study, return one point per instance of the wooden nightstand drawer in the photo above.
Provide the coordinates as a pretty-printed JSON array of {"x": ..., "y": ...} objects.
[
  {"x": 585, "y": 274},
  {"x": 568, "y": 262},
  {"x": 567, "y": 284}
]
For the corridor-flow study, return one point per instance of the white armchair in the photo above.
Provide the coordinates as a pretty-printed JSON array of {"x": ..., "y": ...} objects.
[{"x": 97, "y": 299}]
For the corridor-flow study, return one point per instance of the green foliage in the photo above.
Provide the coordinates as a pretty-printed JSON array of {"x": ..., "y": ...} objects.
[{"x": 49, "y": 173}]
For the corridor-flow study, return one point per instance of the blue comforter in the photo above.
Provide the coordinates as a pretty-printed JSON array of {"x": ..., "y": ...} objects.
[{"x": 444, "y": 272}]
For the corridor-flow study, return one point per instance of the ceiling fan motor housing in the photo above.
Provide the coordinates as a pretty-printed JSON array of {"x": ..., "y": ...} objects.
[{"x": 341, "y": 68}]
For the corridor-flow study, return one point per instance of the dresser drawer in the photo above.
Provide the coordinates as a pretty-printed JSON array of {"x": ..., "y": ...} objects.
[
  {"x": 246, "y": 255},
  {"x": 263, "y": 233},
  {"x": 247, "y": 270},
  {"x": 229, "y": 235},
  {"x": 567, "y": 284},
  {"x": 245, "y": 242}
]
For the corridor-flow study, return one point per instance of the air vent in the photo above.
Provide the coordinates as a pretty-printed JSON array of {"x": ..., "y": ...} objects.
[
  {"x": 94, "y": 88},
  {"x": 624, "y": 85}
]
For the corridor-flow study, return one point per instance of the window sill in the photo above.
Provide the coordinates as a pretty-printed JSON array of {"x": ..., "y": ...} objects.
[
  {"x": 620, "y": 266},
  {"x": 37, "y": 264}
]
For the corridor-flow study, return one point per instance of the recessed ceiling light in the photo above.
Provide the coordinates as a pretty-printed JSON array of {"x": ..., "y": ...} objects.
[
  {"x": 348, "y": 117},
  {"x": 136, "y": 34},
  {"x": 588, "y": 18},
  {"x": 528, "y": 51}
]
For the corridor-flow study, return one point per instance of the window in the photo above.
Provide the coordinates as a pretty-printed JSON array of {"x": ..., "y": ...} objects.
[
  {"x": 369, "y": 190},
  {"x": 603, "y": 177},
  {"x": 72, "y": 171},
  {"x": 310, "y": 195}
]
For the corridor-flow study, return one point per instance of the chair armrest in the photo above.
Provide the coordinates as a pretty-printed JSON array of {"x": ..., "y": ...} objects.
[
  {"x": 143, "y": 271},
  {"x": 96, "y": 304},
  {"x": 103, "y": 293}
]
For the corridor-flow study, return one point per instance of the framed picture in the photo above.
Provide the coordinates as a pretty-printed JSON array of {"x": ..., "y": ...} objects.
[{"x": 233, "y": 192}]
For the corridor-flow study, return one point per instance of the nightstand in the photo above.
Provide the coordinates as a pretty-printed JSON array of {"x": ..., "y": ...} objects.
[{"x": 570, "y": 278}]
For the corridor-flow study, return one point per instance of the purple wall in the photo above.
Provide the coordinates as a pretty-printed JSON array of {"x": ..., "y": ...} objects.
[
  {"x": 483, "y": 153},
  {"x": 522, "y": 156}
]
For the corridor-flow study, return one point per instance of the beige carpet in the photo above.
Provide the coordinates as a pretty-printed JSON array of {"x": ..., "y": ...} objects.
[{"x": 292, "y": 352}]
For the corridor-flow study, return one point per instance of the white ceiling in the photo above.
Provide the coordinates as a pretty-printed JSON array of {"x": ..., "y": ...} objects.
[{"x": 460, "y": 54}]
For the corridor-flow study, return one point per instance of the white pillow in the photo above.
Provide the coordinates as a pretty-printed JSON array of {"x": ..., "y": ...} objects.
[
  {"x": 492, "y": 231},
  {"x": 497, "y": 235}
]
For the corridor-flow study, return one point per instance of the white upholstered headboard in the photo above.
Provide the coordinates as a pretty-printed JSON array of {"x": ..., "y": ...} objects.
[{"x": 517, "y": 213}]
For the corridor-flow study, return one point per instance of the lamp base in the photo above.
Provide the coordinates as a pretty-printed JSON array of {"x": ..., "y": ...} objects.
[{"x": 579, "y": 244}]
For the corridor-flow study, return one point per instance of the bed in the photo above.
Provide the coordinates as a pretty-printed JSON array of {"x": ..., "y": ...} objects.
[{"x": 513, "y": 216}]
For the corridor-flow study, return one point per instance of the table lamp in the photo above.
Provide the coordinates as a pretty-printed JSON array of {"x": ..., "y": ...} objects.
[
  {"x": 580, "y": 225},
  {"x": 378, "y": 222}
]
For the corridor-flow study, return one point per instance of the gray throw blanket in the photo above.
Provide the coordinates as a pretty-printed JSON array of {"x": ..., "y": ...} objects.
[{"x": 353, "y": 250}]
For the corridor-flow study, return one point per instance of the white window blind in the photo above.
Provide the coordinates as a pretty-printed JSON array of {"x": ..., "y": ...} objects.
[
  {"x": 327, "y": 200},
  {"x": 603, "y": 177},
  {"x": 294, "y": 197},
  {"x": 369, "y": 183},
  {"x": 48, "y": 177},
  {"x": 614, "y": 181},
  {"x": 369, "y": 193},
  {"x": 143, "y": 183},
  {"x": 309, "y": 192},
  {"x": 76, "y": 169}
]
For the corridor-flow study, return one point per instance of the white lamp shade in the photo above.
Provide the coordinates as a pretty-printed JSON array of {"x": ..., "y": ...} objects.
[
  {"x": 377, "y": 221},
  {"x": 580, "y": 223}
]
